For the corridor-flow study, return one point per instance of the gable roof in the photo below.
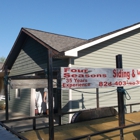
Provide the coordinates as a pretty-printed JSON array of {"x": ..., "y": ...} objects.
[
  {"x": 94, "y": 41},
  {"x": 60, "y": 44},
  {"x": 56, "y": 41}
]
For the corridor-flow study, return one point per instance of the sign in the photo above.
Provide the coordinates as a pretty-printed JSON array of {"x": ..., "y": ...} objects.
[{"x": 98, "y": 77}]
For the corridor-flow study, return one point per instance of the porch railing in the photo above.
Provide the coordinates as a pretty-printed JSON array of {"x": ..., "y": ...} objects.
[{"x": 64, "y": 113}]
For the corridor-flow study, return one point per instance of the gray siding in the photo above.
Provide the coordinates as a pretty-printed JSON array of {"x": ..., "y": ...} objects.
[
  {"x": 32, "y": 57},
  {"x": 135, "y": 98},
  {"x": 22, "y": 105},
  {"x": 60, "y": 63},
  {"x": 65, "y": 105},
  {"x": 103, "y": 56}
]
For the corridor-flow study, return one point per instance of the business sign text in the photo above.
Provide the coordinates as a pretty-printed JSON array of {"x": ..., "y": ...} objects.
[{"x": 98, "y": 77}]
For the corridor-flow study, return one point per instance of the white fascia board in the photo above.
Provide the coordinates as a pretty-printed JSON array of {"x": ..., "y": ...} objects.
[{"x": 74, "y": 52}]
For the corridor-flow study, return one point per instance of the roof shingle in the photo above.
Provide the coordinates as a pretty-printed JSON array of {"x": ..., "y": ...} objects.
[{"x": 58, "y": 42}]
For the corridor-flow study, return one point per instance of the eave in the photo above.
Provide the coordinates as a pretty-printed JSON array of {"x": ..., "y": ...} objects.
[{"x": 74, "y": 52}]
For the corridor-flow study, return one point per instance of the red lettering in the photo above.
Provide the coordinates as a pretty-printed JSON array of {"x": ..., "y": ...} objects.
[
  {"x": 138, "y": 72},
  {"x": 116, "y": 83},
  {"x": 66, "y": 69},
  {"x": 105, "y": 83},
  {"x": 120, "y": 83},
  {"x": 73, "y": 70},
  {"x": 100, "y": 84},
  {"x": 87, "y": 75},
  {"x": 99, "y": 75},
  {"x": 85, "y": 70},
  {"x": 66, "y": 75},
  {"x": 76, "y": 70},
  {"x": 93, "y": 75},
  {"x": 88, "y": 84},
  {"x": 124, "y": 83},
  {"x": 64, "y": 85},
  {"x": 109, "y": 84},
  {"x": 81, "y": 75},
  {"x": 104, "y": 75},
  {"x": 74, "y": 75},
  {"x": 114, "y": 73}
]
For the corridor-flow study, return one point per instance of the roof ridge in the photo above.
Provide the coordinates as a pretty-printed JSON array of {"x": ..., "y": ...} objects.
[{"x": 54, "y": 33}]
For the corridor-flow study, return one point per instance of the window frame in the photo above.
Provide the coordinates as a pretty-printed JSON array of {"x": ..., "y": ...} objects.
[{"x": 18, "y": 93}]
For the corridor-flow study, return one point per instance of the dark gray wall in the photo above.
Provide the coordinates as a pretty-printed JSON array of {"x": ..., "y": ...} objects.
[
  {"x": 32, "y": 57},
  {"x": 65, "y": 105}
]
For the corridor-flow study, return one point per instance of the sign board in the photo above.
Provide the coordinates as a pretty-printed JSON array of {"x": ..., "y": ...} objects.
[{"x": 98, "y": 77}]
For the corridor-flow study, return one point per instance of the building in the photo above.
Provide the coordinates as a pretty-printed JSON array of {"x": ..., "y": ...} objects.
[
  {"x": 29, "y": 56},
  {"x": 1, "y": 80}
]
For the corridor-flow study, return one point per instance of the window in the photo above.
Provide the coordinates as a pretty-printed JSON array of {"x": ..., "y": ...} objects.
[{"x": 17, "y": 94}]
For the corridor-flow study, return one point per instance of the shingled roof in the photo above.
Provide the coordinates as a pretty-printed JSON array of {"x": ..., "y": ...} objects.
[
  {"x": 56, "y": 41},
  {"x": 62, "y": 46},
  {"x": 63, "y": 43}
]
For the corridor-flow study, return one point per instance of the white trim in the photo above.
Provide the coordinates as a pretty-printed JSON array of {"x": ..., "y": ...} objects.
[
  {"x": 70, "y": 105},
  {"x": 32, "y": 102},
  {"x": 16, "y": 94},
  {"x": 74, "y": 52},
  {"x": 70, "y": 96}
]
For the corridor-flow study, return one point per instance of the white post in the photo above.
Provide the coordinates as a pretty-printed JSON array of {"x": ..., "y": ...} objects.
[
  {"x": 70, "y": 97},
  {"x": 32, "y": 102}
]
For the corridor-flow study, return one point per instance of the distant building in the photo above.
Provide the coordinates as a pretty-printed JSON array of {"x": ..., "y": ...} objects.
[{"x": 1, "y": 79}]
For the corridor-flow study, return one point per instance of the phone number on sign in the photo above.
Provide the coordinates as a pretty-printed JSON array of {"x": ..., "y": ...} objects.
[{"x": 118, "y": 83}]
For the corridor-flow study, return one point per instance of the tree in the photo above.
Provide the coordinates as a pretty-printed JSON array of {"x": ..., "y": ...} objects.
[{"x": 2, "y": 59}]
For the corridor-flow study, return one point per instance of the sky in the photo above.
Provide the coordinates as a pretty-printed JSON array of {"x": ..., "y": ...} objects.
[{"x": 77, "y": 18}]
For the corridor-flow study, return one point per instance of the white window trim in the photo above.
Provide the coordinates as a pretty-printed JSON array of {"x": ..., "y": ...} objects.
[{"x": 16, "y": 94}]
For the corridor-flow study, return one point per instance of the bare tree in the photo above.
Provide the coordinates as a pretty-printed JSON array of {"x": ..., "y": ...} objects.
[{"x": 2, "y": 59}]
